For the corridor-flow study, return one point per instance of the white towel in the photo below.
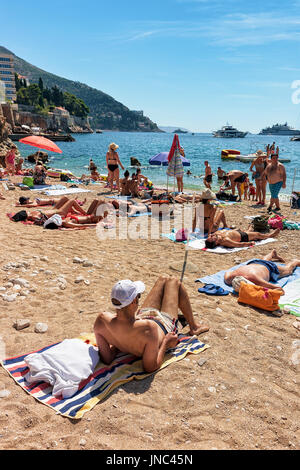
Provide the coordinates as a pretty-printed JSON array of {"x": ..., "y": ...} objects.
[
  {"x": 63, "y": 366},
  {"x": 200, "y": 245}
]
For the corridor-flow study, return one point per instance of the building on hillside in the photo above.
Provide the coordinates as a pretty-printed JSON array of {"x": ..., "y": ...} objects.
[
  {"x": 2, "y": 93},
  {"x": 138, "y": 113},
  {"x": 61, "y": 111},
  {"x": 7, "y": 75}
]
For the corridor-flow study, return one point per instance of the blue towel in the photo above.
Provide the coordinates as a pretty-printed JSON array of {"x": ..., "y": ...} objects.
[{"x": 218, "y": 278}]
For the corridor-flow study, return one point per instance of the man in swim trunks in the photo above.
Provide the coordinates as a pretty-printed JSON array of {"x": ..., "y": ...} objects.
[
  {"x": 208, "y": 175},
  {"x": 150, "y": 331},
  {"x": 237, "y": 238},
  {"x": 276, "y": 176},
  {"x": 264, "y": 272}
]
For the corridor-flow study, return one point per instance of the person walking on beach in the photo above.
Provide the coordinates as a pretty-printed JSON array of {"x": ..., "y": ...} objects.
[
  {"x": 276, "y": 176},
  {"x": 10, "y": 160},
  {"x": 147, "y": 332},
  {"x": 113, "y": 162},
  {"x": 208, "y": 175}
]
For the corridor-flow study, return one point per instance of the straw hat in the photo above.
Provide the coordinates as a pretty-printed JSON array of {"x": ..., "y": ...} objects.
[
  {"x": 259, "y": 152},
  {"x": 208, "y": 194},
  {"x": 113, "y": 146}
]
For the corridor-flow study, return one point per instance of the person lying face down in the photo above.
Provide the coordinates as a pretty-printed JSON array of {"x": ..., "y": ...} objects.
[
  {"x": 237, "y": 238},
  {"x": 264, "y": 272},
  {"x": 147, "y": 332}
]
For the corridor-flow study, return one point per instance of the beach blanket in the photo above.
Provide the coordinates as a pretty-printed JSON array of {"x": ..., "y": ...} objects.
[
  {"x": 291, "y": 298},
  {"x": 221, "y": 250},
  {"x": 100, "y": 383},
  {"x": 218, "y": 278},
  {"x": 62, "y": 192}
]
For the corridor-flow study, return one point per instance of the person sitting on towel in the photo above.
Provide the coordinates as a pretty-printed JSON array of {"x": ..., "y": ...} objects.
[
  {"x": 147, "y": 332},
  {"x": 237, "y": 238},
  {"x": 264, "y": 272}
]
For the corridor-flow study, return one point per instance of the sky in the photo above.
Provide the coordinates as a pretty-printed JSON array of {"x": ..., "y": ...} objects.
[{"x": 196, "y": 64}]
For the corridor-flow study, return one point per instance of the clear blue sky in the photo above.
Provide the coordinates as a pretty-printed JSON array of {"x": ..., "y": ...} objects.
[{"x": 190, "y": 63}]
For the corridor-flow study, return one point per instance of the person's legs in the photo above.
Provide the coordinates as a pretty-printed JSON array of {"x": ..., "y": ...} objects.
[
  {"x": 71, "y": 206},
  {"x": 218, "y": 219},
  {"x": 58, "y": 204},
  {"x": 289, "y": 268},
  {"x": 262, "y": 236},
  {"x": 186, "y": 308},
  {"x": 154, "y": 298},
  {"x": 93, "y": 206},
  {"x": 116, "y": 177},
  {"x": 273, "y": 256}
]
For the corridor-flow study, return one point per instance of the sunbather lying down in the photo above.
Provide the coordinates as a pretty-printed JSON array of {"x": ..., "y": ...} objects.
[
  {"x": 150, "y": 331},
  {"x": 237, "y": 238},
  {"x": 264, "y": 272},
  {"x": 70, "y": 210},
  {"x": 131, "y": 208},
  {"x": 25, "y": 202}
]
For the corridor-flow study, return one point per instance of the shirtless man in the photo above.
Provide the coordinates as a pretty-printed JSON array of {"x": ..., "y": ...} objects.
[
  {"x": 147, "y": 332},
  {"x": 208, "y": 175},
  {"x": 237, "y": 178},
  {"x": 276, "y": 176},
  {"x": 264, "y": 272},
  {"x": 220, "y": 173},
  {"x": 237, "y": 238}
]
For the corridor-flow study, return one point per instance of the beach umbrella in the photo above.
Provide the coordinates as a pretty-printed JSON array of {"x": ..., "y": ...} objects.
[
  {"x": 162, "y": 159},
  {"x": 41, "y": 143}
]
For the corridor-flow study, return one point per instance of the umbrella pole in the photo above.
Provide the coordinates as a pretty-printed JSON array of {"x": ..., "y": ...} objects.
[{"x": 187, "y": 243}]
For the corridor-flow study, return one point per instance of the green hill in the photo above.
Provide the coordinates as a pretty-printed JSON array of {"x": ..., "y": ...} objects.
[{"x": 107, "y": 113}]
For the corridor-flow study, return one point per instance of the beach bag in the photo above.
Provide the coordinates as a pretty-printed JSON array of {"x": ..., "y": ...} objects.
[
  {"x": 260, "y": 224},
  {"x": 232, "y": 197},
  {"x": 222, "y": 196},
  {"x": 64, "y": 177},
  {"x": 295, "y": 200},
  {"x": 181, "y": 235},
  {"x": 28, "y": 181},
  {"x": 258, "y": 296},
  {"x": 20, "y": 216},
  {"x": 276, "y": 221}
]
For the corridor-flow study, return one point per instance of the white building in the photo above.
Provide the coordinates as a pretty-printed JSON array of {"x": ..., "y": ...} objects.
[
  {"x": 7, "y": 75},
  {"x": 2, "y": 92}
]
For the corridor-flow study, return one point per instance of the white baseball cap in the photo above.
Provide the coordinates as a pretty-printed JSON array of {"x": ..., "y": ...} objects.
[{"x": 126, "y": 291}]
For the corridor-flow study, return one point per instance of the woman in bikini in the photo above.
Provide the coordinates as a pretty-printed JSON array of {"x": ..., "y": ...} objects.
[
  {"x": 113, "y": 162},
  {"x": 212, "y": 215}
]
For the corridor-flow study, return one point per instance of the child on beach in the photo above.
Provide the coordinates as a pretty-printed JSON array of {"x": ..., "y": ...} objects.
[
  {"x": 10, "y": 160},
  {"x": 252, "y": 191}
]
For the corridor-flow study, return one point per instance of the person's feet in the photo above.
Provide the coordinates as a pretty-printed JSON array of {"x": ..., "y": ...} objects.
[
  {"x": 198, "y": 329},
  {"x": 275, "y": 233},
  {"x": 276, "y": 257}
]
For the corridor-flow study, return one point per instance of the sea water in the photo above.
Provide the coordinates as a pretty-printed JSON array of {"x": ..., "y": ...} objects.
[{"x": 143, "y": 146}]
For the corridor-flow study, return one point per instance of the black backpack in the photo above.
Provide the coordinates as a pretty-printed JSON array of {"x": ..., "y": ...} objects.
[{"x": 260, "y": 224}]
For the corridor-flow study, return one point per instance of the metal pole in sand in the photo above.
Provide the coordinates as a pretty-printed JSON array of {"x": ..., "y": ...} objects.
[
  {"x": 187, "y": 243},
  {"x": 295, "y": 171}
]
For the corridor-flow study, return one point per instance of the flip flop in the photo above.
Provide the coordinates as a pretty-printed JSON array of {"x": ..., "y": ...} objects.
[{"x": 212, "y": 289}]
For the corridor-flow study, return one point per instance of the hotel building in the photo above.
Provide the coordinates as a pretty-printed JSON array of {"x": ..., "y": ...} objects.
[{"x": 7, "y": 76}]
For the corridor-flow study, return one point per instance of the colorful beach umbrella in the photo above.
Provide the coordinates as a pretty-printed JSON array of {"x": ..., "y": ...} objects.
[
  {"x": 41, "y": 143},
  {"x": 162, "y": 159}
]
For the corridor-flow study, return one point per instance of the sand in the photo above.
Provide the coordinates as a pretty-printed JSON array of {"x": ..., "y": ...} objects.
[{"x": 241, "y": 393}]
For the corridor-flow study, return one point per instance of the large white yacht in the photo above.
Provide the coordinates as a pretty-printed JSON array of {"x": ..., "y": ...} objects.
[
  {"x": 229, "y": 132},
  {"x": 280, "y": 129}
]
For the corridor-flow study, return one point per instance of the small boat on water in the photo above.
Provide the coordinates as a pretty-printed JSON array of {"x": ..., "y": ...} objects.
[
  {"x": 229, "y": 132},
  {"x": 295, "y": 138}
]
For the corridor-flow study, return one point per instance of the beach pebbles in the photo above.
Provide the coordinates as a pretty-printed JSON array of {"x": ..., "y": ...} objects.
[
  {"x": 21, "y": 324},
  {"x": 41, "y": 328}
]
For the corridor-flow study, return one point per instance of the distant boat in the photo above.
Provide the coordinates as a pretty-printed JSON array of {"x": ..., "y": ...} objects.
[
  {"x": 295, "y": 138},
  {"x": 98, "y": 131},
  {"x": 229, "y": 132},
  {"x": 279, "y": 129}
]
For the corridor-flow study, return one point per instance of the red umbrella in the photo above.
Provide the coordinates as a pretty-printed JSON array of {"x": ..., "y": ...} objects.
[
  {"x": 175, "y": 144},
  {"x": 41, "y": 143}
]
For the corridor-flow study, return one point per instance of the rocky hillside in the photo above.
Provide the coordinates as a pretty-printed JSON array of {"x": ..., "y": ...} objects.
[{"x": 107, "y": 113}]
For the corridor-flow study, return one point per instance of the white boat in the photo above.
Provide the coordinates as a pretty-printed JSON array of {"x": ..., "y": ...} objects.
[
  {"x": 229, "y": 132},
  {"x": 253, "y": 156}
]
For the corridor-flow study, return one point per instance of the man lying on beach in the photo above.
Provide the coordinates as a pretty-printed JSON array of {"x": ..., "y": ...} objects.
[
  {"x": 264, "y": 272},
  {"x": 147, "y": 332},
  {"x": 131, "y": 208},
  {"x": 237, "y": 238}
]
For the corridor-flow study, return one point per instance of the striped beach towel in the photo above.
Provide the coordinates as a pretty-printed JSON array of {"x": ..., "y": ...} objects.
[{"x": 101, "y": 383}]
